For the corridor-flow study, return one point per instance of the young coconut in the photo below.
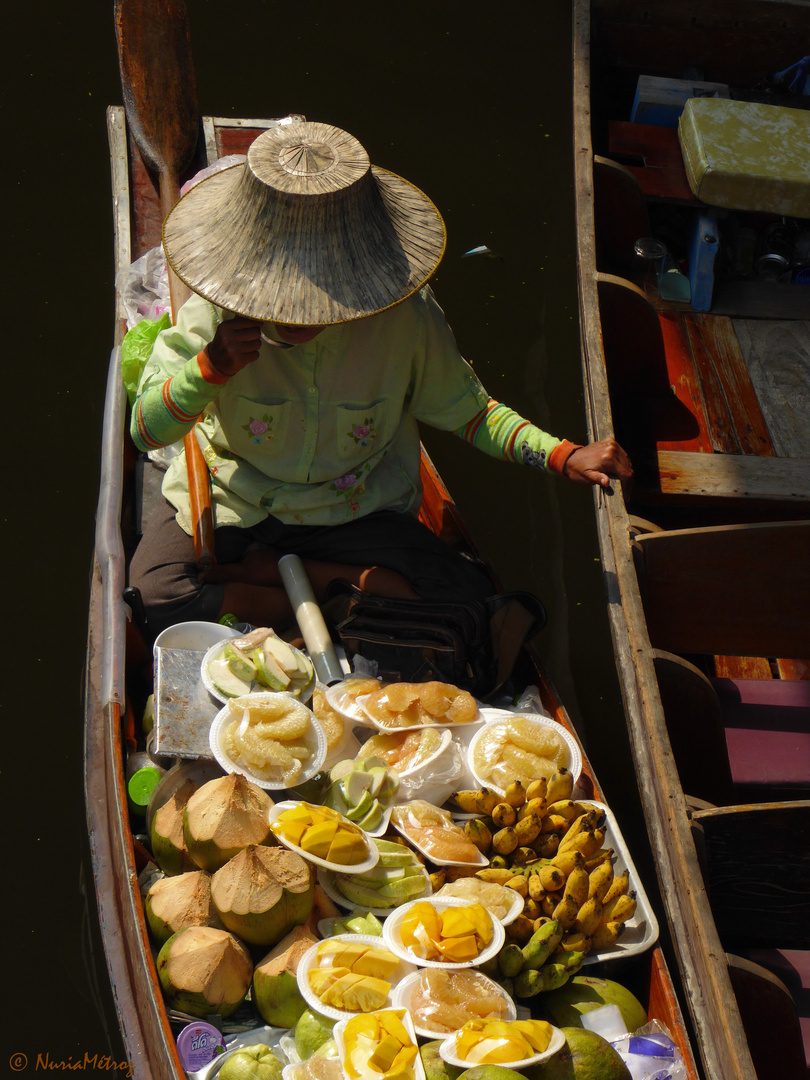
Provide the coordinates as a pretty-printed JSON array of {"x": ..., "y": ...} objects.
[
  {"x": 223, "y": 817},
  {"x": 173, "y": 903},
  {"x": 169, "y": 848},
  {"x": 275, "y": 983},
  {"x": 262, "y": 893},
  {"x": 203, "y": 970}
]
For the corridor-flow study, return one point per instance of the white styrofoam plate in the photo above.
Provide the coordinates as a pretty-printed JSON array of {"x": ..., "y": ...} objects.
[
  {"x": 310, "y": 960},
  {"x": 342, "y": 868},
  {"x": 407, "y": 987},
  {"x": 393, "y": 938},
  {"x": 447, "y": 1052},
  {"x": 574, "y": 763}
]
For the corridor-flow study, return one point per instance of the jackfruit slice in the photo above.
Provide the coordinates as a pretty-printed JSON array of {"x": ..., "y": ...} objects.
[{"x": 377, "y": 962}]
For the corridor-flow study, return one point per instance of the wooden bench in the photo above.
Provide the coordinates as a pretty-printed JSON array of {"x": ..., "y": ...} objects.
[
  {"x": 740, "y": 590},
  {"x": 776, "y": 1019},
  {"x": 660, "y": 171}
]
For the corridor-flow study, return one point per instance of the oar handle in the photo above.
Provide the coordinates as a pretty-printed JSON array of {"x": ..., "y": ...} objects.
[{"x": 310, "y": 620}]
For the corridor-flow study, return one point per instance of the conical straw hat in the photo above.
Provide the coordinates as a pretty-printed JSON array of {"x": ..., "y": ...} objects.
[{"x": 306, "y": 232}]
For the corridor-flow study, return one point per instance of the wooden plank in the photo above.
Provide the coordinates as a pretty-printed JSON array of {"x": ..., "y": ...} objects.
[
  {"x": 740, "y": 590},
  {"x": 758, "y": 867},
  {"x": 777, "y": 356},
  {"x": 726, "y": 383},
  {"x": 743, "y": 667},
  {"x": 728, "y": 476},
  {"x": 685, "y": 382},
  {"x": 771, "y": 1021}
]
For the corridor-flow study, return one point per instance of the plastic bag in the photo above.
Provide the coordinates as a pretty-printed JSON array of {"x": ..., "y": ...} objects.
[
  {"x": 136, "y": 348},
  {"x": 651, "y": 1054},
  {"x": 144, "y": 287}
]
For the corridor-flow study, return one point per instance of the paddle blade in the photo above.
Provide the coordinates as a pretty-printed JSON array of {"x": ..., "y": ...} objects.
[{"x": 158, "y": 82}]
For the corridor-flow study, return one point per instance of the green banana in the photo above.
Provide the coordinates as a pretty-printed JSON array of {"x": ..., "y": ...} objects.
[
  {"x": 510, "y": 960},
  {"x": 542, "y": 944},
  {"x": 531, "y": 982}
]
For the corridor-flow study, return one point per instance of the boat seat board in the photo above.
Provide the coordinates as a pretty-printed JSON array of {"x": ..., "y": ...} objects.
[
  {"x": 773, "y": 1026},
  {"x": 680, "y": 474},
  {"x": 756, "y": 863},
  {"x": 767, "y": 732},
  {"x": 700, "y": 597},
  {"x": 792, "y": 967}
]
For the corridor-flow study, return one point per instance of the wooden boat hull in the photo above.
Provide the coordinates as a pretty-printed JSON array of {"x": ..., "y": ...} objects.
[
  {"x": 116, "y": 654},
  {"x": 694, "y": 487}
]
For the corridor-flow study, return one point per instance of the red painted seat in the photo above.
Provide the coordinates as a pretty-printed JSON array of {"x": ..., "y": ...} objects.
[{"x": 767, "y": 729}]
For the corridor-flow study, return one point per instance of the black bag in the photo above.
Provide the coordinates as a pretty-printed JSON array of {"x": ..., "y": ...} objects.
[{"x": 473, "y": 645}]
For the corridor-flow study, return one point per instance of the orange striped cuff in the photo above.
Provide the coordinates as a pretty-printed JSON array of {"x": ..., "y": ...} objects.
[
  {"x": 208, "y": 371},
  {"x": 560, "y": 454}
]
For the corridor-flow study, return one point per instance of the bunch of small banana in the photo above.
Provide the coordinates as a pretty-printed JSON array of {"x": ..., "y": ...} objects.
[
  {"x": 549, "y": 848},
  {"x": 536, "y": 966}
]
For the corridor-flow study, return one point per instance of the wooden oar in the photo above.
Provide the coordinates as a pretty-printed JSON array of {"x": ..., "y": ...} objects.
[{"x": 160, "y": 99}]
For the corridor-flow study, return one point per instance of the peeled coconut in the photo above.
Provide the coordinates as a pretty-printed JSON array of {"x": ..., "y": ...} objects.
[
  {"x": 204, "y": 970},
  {"x": 223, "y": 817},
  {"x": 173, "y": 903},
  {"x": 262, "y": 893},
  {"x": 275, "y": 980},
  {"x": 169, "y": 849}
]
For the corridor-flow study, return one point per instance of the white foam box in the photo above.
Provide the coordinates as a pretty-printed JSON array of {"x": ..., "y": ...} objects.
[{"x": 661, "y": 101}]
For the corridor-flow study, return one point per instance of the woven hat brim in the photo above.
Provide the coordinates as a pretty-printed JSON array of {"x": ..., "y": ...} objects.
[{"x": 291, "y": 268}]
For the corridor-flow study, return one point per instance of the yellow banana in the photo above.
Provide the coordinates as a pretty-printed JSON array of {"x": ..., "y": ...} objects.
[
  {"x": 566, "y": 912},
  {"x": 532, "y": 806},
  {"x": 574, "y": 942},
  {"x": 584, "y": 822},
  {"x": 547, "y": 844},
  {"x": 551, "y": 878},
  {"x": 588, "y": 917},
  {"x": 531, "y": 908},
  {"x": 568, "y": 860},
  {"x": 535, "y": 886},
  {"x": 600, "y": 879},
  {"x": 503, "y": 815},
  {"x": 566, "y": 808},
  {"x": 581, "y": 841},
  {"x": 467, "y": 800},
  {"x": 528, "y": 829},
  {"x": 622, "y": 908},
  {"x": 487, "y": 801},
  {"x": 537, "y": 789},
  {"x": 437, "y": 879},
  {"x": 560, "y": 785},
  {"x": 607, "y": 934},
  {"x": 592, "y": 861},
  {"x": 549, "y": 903},
  {"x": 504, "y": 841},
  {"x": 618, "y": 887},
  {"x": 515, "y": 794},
  {"x": 576, "y": 885},
  {"x": 479, "y": 834},
  {"x": 500, "y": 877},
  {"x": 519, "y": 883},
  {"x": 555, "y": 823}
]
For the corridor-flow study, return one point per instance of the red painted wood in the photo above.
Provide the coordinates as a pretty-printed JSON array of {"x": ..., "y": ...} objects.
[{"x": 662, "y": 176}]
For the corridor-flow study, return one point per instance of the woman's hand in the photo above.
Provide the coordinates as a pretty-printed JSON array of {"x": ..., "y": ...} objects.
[
  {"x": 236, "y": 344},
  {"x": 597, "y": 462}
]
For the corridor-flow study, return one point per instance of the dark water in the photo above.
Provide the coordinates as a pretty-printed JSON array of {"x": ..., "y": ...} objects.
[{"x": 469, "y": 101}]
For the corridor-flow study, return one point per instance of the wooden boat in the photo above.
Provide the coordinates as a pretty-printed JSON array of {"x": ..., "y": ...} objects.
[
  {"x": 705, "y": 554},
  {"x": 119, "y": 662}
]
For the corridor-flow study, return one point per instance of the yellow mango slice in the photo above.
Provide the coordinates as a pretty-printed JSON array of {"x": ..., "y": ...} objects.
[
  {"x": 317, "y": 839},
  {"x": 391, "y": 1021},
  {"x": 299, "y": 812},
  {"x": 347, "y": 847},
  {"x": 459, "y": 950},
  {"x": 456, "y": 922},
  {"x": 292, "y": 831},
  {"x": 537, "y": 1033},
  {"x": 421, "y": 925},
  {"x": 384, "y": 1053}
]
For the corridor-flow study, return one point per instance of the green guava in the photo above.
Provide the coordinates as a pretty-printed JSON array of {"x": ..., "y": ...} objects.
[
  {"x": 583, "y": 993},
  {"x": 585, "y": 1056},
  {"x": 311, "y": 1031},
  {"x": 256, "y": 1062}
]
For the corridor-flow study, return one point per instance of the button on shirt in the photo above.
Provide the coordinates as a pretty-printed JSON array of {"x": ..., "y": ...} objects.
[{"x": 323, "y": 432}]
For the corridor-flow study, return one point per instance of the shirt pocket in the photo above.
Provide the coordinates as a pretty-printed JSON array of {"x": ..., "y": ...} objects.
[
  {"x": 260, "y": 428},
  {"x": 363, "y": 430}
]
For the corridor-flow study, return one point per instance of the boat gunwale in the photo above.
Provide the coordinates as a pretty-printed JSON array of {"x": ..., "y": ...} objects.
[{"x": 719, "y": 1034}]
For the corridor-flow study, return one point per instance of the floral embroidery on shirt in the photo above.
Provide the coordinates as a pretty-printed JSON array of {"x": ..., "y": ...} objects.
[
  {"x": 363, "y": 433},
  {"x": 259, "y": 429},
  {"x": 351, "y": 487}
]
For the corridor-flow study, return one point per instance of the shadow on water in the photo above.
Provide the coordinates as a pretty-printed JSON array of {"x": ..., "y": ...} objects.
[{"x": 470, "y": 103}]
